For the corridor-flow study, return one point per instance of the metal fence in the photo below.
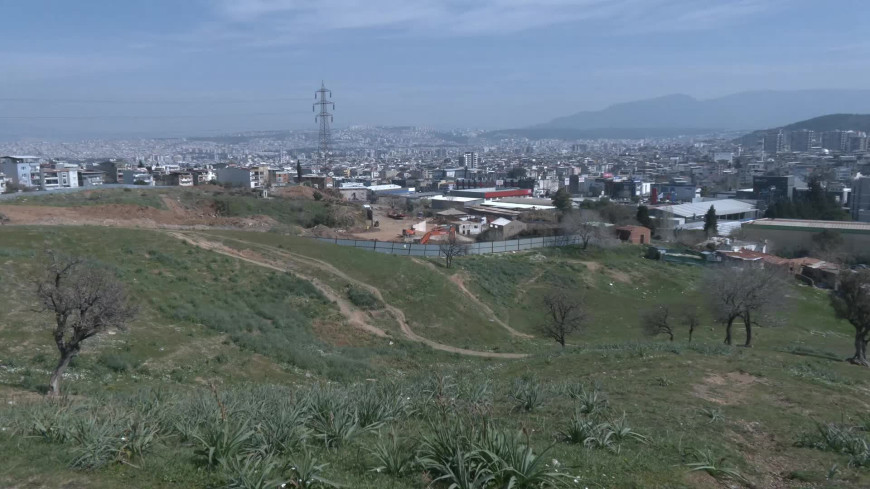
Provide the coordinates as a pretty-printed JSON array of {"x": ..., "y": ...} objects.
[{"x": 484, "y": 248}]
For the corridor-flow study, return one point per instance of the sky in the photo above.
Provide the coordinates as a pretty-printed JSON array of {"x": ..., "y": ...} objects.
[{"x": 191, "y": 67}]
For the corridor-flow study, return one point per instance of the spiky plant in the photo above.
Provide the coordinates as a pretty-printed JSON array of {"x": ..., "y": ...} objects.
[
  {"x": 394, "y": 455},
  {"x": 250, "y": 472},
  {"x": 466, "y": 470},
  {"x": 578, "y": 430},
  {"x": 527, "y": 394},
  {"x": 713, "y": 413},
  {"x": 304, "y": 472},
  {"x": 622, "y": 431},
  {"x": 222, "y": 440},
  {"x": 97, "y": 443},
  {"x": 709, "y": 463}
]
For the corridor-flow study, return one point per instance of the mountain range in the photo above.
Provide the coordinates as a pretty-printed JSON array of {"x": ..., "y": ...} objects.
[{"x": 679, "y": 113}]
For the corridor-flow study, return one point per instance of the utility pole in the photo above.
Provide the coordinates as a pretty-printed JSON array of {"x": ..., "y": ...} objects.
[{"x": 324, "y": 117}]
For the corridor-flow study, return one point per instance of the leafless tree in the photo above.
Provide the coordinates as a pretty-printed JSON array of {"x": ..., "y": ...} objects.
[
  {"x": 583, "y": 225},
  {"x": 451, "y": 248},
  {"x": 690, "y": 317},
  {"x": 85, "y": 300},
  {"x": 566, "y": 315},
  {"x": 657, "y": 321},
  {"x": 851, "y": 301},
  {"x": 748, "y": 293}
]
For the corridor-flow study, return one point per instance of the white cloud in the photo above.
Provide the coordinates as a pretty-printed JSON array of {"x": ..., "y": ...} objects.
[{"x": 287, "y": 21}]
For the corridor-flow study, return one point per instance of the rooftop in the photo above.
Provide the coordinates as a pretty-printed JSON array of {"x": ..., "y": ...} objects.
[
  {"x": 453, "y": 198},
  {"x": 811, "y": 225},
  {"x": 723, "y": 207}
]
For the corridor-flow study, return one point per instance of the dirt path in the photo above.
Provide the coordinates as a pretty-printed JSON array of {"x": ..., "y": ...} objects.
[
  {"x": 321, "y": 265},
  {"x": 460, "y": 283},
  {"x": 354, "y": 316}
]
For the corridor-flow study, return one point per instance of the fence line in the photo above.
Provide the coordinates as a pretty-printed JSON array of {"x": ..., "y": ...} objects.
[{"x": 484, "y": 248}]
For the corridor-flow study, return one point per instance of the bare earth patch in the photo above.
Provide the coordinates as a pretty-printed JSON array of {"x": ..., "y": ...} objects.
[{"x": 726, "y": 390}]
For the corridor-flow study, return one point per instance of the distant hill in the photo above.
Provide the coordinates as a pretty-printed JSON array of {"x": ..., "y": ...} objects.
[
  {"x": 745, "y": 110},
  {"x": 600, "y": 133},
  {"x": 832, "y": 122}
]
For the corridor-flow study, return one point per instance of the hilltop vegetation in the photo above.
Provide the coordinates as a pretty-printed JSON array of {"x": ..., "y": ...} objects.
[{"x": 259, "y": 356}]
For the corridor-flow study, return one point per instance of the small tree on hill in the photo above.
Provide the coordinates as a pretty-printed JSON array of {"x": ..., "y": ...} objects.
[
  {"x": 851, "y": 301},
  {"x": 452, "y": 248},
  {"x": 582, "y": 225},
  {"x": 690, "y": 317},
  {"x": 562, "y": 200},
  {"x": 565, "y": 316},
  {"x": 745, "y": 293},
  {"x": 85, "y": 300},
  {"x": 711, "y": 221},
  {"x": 657, "y": 321},
  {"x": 644, "y": 219}
]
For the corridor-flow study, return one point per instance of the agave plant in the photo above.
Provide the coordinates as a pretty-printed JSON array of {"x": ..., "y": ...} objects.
[
  {"x": 622, "y": 431},
  {"x": 222, "y": 440},
  {"x": 578, "y": 430},
  {"x": 51, "y": 420},
  {"x": 139, "y": 437},
  {"x": 527, "y": 394},
  {"x": 707, "y": 462},
  {"x": 305, "y": 473},
  {"x": 252, "y": 472},
  {"x": 516, "y": 464},
  {"x": 466, "y": 470},
  {"x": 97, "y": 443},
  {"x": 590, "y": 401},
  {"x": 394, "y": 455}
]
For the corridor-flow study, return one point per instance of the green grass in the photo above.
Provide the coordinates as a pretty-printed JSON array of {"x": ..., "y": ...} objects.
[{"x": 257, "y": 333}]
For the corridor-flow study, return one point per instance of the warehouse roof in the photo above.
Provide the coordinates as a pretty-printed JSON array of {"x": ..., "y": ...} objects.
[
  {"x": 812, "y": 225},
  {"x": 724, "y": 207}
]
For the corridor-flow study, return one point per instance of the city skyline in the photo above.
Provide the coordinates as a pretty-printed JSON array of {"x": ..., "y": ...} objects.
[{"x": 113, "y": 68}]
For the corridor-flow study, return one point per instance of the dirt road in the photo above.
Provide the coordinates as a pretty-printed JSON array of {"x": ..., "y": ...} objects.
[{"x": 355, "y": 317}]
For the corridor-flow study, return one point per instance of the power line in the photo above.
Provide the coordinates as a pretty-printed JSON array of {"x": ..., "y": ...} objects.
[
  {"x": 174, "y": 101},
  {"x": 157, "y": 117}
]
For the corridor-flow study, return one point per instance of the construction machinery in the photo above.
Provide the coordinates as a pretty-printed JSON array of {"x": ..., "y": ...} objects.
[
  {"x": 449, "y": 231},
  {"x": 394, "y": 214}
]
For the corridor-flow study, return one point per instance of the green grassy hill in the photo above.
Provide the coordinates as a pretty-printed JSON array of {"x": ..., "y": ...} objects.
[{"x": 276, "y": 353}]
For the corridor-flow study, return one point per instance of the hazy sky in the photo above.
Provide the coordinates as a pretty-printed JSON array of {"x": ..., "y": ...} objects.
[{"x": 213, "y": 66}]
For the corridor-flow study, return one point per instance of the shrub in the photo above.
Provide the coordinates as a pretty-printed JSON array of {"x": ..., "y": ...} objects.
[{"x": 363, "y": 298}]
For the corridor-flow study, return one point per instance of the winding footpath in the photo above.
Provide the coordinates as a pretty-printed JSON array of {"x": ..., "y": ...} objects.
[{"x": 354, "y": 316}]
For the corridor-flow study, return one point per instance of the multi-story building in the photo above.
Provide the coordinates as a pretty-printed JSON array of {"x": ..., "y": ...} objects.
[
  {"x": 775, "y": 143},
  {"x": 57, "y": 178},
  {"x": 802, "y": 140},
  {"x": 469, "y": 160},
  {"x": 834, "y": 140},
  {"x": 137, "y": 176},
  {"x": 255, "y": 177},
  {"x": 860, "y": 199},
  {"x": 21, "y": 170},
  {"x": 773, "y": 188},
  {"x": 2, "y": 183}
]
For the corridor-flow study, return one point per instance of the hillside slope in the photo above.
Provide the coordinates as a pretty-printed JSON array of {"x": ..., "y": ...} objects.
[{"x": 251, "y": 336}]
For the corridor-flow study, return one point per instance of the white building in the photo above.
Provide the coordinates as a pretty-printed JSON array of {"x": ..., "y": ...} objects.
[
  {"x": 469, "y": 160},
  {"x": 860, "y": 199},
  {"x": 138, "y": 176},
  {"x": 57, "y": 178},
  {"x": 2, "y": 183}
]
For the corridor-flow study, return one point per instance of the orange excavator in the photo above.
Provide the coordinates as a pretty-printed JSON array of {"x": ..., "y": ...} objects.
[{"x": 450, "y": 231}]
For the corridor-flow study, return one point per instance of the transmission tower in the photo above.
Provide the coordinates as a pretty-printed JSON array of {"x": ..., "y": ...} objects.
[{"x": 324, "y": 117}]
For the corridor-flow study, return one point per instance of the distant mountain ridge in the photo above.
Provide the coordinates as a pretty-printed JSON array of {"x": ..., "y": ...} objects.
[
  {"x": 744, "y": 110},
  {"x": 831, "y": 122}
]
